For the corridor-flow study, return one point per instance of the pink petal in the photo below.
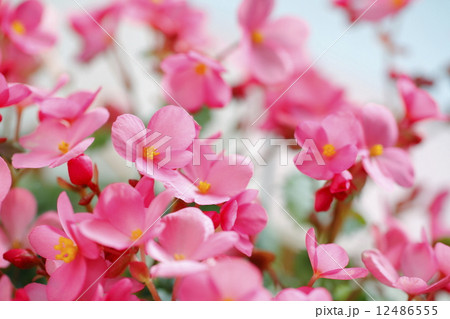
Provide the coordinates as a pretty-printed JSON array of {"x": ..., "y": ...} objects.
[
  {"x": 216, "y": 244},
  {"x": 379, "y": 126},
  {"x": 17, "y": 93},
  {"x": 380, "y": 267},
  {"x": 124, "y": 133},
  {"x": 33, "y": 160},
  {"x": 198, "y": 287},
  {"x": 6, "y": 288},
  {"x": 87, "y": 124},
  {"x": 411, "y": 285},
  {"x": 43, "y": 239},
  {"x": 5, "y": 245},
  {"x": 78, "y": 149},
  {"x": 418, "y": 260},
  {"x": 254, "y": 13},
  {"x": 36, "y": 292},
  {"x": 443, "y": 257},
  {"x": 396, "y": 164},
  {"x": 59, "y": 108},
  {"x": 155, "y": 251},
  {"x": 29, "y": 13},
  {"x": 346, "y": 274},
  {"x": 17, "y": 213},
  {"x": 311, "y": 246},
  {"x": 145, "y": 186},
  {"x": 228, "y": 214},
  {"x": 157, "y": 208},
  {"x": 180, "y": 268},
  {"x": 104, "y": 233},
  {"x": 268, "y": 64},
  {"x": 67, "y": 281},
  {"x": 217, "y": 91},
  {"x": 5, "y": 177},
  {"x": 251, "y": 219},
  {"x": 331, "y": 257}
]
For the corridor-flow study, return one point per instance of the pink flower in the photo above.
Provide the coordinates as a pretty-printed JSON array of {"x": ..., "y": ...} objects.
[
  {"x": 384, "y": 162},
  {"x": 229, "y": 279},
  {"x": 6, "y": 288},
  {"x": 304, "y": 294},
  {"x": 312, "y": 97},
  {"x": 118, "y": 290},
  {"x": 17, "y": 213},
  {"x": 160, "y": 148},
  {"x": 55, "y": 143},
  {"x": 22, "y": 25},
  {"x": 5, "y": 177},
  {"x": 418, "y": 266},
  {"x": 187, "y": 238},
  {"x": 72, "y": 260},
  {"x": 370, "y": 11},
  {"x": 11, "y": 94},
  {"x": 273, "y": 49},
  {"x": 438, "y": 228},
  {"x": 245, "y": 216},
  {"x": 69, "y": 109},
  {"x": 392, "y": 243},
  {"x": 210, "y": 178},
  {"x": 194, "y": 80},
  {"x": 330, "y": 260},
  {"x": 96, "y": 29},
  {"x": 329, "y": 147},
  {"x": 121, "y": 220},
  {"x": 419, "y": 105}
]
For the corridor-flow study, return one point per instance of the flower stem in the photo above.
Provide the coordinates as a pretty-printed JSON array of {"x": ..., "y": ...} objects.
[
  {"x": 151, "y": 287},
  {"x": 19, "y": 119}
]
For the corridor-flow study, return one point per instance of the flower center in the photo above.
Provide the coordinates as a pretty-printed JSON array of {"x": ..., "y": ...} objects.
[
  {"x": 18, "y": 27},
  {"x": 179, "y": 256},
  {"x": 68, "y": 250},
  {"x": 136, "y": 234},
  {"x": 328, "y": 150},
  {"x": 203, "y": 187},
  {"x": 150, "y": 152},
  {"x": 376, "y": 150},
  {"x": 257, "y": 37},
  {"x": 63, "y": 147},
  {"x": 398, "y": 3},
  {"x": 201, "y": 68}
]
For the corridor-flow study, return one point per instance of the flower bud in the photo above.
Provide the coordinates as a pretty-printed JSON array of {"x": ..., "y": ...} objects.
[
  {"x": 139, "y": 271},
  {"x": 80, "y": 170},
  {"x": 21, "y": 258},
  {"x": 323, "y": 199}
]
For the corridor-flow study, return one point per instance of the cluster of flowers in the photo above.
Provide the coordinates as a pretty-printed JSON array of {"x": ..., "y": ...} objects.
[{"x": 202, "y": 228}]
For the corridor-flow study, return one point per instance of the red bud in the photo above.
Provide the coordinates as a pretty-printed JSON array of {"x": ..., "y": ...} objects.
[
  {"x": 323, "y": 199},
  {"x": 80, "y": 170},
  {"x": 21, "y": 258}
]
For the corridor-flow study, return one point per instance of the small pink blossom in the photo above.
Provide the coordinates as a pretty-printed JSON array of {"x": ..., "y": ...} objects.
[
  {"x": 231, "y": 279},
  {"x": 121, "y": 220},
  {"x": 245, "y": 216},
  {"x": 187, "y": 238},
  {"x": 273, "y": 49},
  {"x": 54, "y": 143},
  {"x": 330, "y": 260},
  {"x": 369, "y": 10},
  {"x": 194, "y": 80},
  {"x": 211, "y": 178},
  {"x": 22, "y": 25},
  {"x": 13, "y": 93},
  {"x": 329, "y": 147},
  {"x": 160, "y": 148},
  {"x": 384, "y": 162},
  {"x": 304, "y": 294},
  {"x": 419, "y": 105}
]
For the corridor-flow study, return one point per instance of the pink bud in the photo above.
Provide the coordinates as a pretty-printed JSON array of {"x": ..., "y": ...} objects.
[
  {"x": 80, "y": 170},
  {"x": 21, "y": 258}
]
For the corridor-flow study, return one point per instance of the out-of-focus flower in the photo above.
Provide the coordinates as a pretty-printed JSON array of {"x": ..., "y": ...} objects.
[
  {"x": 6, "y": 288},
  {"x": 97, "y": 29},
  {"x": 229, "y": 279},
  {"x": 13, "y": 93},
  {"x": 187, "y": 238},
  {"x": 273, "y": 49},
  {"x": 418, "y": 103},
  {"x": 72, "y": 260},
  {"x": 120, "y": 218},
  {"x": 245, "y": 216},
  {"x": 55, "y": 143},
  {"x": 392, "y": 243},
  {"x": 438, "y": 228},
  {"x": 304, "y": 294},
  {"x": 69, "y": 109},
  {"x": 418, "y": 266},
  {"x": 22, "y": 25},
  {"x": 160, "y": 148},
  {"x": 384, "y": 162},
  {"x": 369, "y": 10},
  {"x": 328, "y": 147},
  {"x": 194, "y": 80},
  {"x": 330, "y": 260},
  {"x": 211, "y": 178},
  {"x": 311, "y": 98},
  {"x": 118, "y": 290}
]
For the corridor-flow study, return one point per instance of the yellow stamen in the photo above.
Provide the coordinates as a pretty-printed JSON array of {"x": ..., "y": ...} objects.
[
  {"x": 328, "y": 150},
  {"x": 228, "y": 299},
  {"x": 63, "y": 147},
  {"x": 376, "y": 150},
  {"x": 16, "y": 244},
  {"x": 203, "y": 187},
  {"x": 201, "y": 68},
  {"x": 398, "y": 3},
  {"x": 257, "y": 37},
  {"x": 18, "y": 27},
  {"x": 68, "y": 250},
  {"x": 179, "y": 256},
  {"x": 150, "y": 152},
  {"x": 136, "y": 234},
  {"x": 157, "y": 1}
]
